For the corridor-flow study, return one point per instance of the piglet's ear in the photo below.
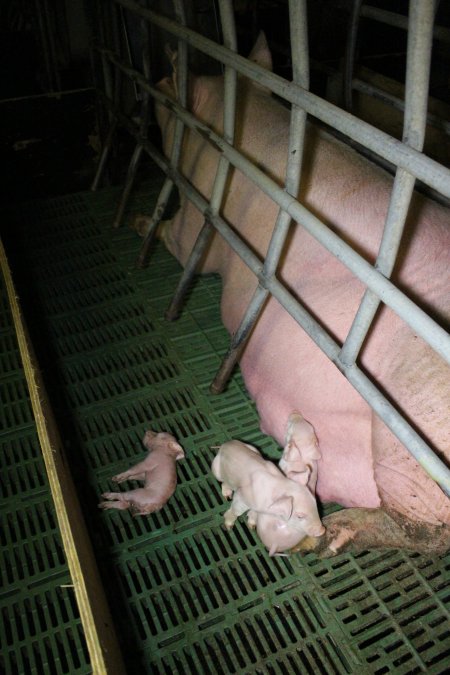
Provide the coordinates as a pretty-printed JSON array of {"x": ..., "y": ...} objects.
[
  {"x": 315, "y": 452},
  {"x": 282, "y": 507},
  {"x": 176, "y": 447},
  {"x": 291, "y": 453},
  {"x": 301, "y": 477}
]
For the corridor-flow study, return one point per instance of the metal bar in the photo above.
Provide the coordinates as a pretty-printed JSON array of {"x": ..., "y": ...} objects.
[
  {"x": 397, "y": 103},
  {"x": 400, "y": 21},
  {"x": 416, "y": 318},
  {"x": 300, "y": 74},
  {"x": 143, "y": 125},
  {"x": 349, "y": 59},
  {"x": 427, "y": 170},
  {"x": 229, "y": 114},
  {"x": 107, "y": 145},
  {"x": 166, "y": 190},
  {"x": 420, "y": 38},
  {"x": 113, "y": 86}
]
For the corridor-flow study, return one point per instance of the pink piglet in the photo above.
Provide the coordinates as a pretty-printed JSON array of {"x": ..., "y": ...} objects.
[{"x": 157, "y": 470}]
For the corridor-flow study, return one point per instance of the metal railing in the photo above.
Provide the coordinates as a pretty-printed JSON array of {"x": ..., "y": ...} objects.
[{"x": 406, "y": 156}]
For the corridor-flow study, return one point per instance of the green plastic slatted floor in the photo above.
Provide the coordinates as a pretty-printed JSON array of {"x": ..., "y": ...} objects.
[
  {"x": 40, "y": 627},
  {"x": 186, "y": 595}
]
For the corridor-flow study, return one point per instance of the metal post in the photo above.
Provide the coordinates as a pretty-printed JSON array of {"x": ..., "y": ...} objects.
[
  {"x": 420, "y": 37},
  {"x": 230, "y": 82},
  {"x": 113, "y": 88},
  {"x": 350, "y": 49},
  {"x": 143, "y": 126},
  {"x": 300, "y": 75},
  {"x": 166, "y": 190}
]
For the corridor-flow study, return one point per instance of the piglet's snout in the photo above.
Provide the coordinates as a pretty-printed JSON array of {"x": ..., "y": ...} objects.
[{"x": 316, "y": 531}]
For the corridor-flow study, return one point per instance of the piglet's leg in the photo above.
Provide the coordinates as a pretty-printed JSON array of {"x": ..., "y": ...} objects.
[
  {"x": 227, "y": 492},
  {"x": 136, "y": 472},
  {"x": 238, "y": 507},
  {"x": 117, "y": 501},
  {"x": 252, "y": 518}
]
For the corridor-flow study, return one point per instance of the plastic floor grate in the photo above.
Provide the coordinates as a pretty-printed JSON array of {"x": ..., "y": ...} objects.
[
  {"x": 41, "y": 630},
  {"x": 186, "y": 595}
]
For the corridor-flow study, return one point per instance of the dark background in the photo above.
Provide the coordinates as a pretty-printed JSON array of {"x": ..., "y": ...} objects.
[{"x": 50, "y": 137}]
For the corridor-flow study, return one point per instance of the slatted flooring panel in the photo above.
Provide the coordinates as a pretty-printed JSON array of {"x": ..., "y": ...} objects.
[
  {"x": 187, "y": 596},
  {"x": 40, "y": 626}
]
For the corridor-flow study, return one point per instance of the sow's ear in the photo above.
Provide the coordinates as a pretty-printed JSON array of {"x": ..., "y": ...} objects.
[
  {"x": 172, "y": 55},
  {"x": 261, "y": 55}
]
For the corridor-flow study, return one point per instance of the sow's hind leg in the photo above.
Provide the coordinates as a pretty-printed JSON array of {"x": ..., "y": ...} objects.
[
  {"x": 415, "y": 512},
  {"x": 353, "y": 530}
]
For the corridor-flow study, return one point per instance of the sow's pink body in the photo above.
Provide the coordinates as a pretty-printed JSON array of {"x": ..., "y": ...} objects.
[{"x": 362, "y": 464}]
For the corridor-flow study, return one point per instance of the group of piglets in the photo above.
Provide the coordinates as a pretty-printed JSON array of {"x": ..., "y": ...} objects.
[{"x": 280, "y": 502}]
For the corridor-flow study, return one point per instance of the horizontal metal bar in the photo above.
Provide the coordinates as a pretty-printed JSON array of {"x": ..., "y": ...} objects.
[
  {"x": 400, "y": 21},
  {"x": 427, "y": 170},
  {"x": 397, "y": 103}
]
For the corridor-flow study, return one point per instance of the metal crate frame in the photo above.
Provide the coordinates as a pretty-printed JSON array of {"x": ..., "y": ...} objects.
[{"x": 406, "y": 156}]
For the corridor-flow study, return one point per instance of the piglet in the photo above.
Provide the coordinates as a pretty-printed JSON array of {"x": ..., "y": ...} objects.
[
  {"x": 272, "y": 499},
  {"x": 157, "y": 470},
  {"x": 301, "y": 452}
]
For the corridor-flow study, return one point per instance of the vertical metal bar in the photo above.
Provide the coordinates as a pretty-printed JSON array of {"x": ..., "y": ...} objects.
[
  {"x": 300, "y": 75},
  {"x": 350, "y": 49},
  {"x": 229, "y": 113},
  {"x": 107, "y": 145},
  {"x": 166, "y": 190},
  {"x": 143, "y": 124},
  {"x": 420, "y": 38},
  {"x": 112, "y": 87}
]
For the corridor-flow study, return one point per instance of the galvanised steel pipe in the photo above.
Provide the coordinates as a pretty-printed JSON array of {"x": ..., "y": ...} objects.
[
  {"x": 300, "y": 73},
  {"x": 112, "y": 88},
  {"x": 166, "y": 190},
  {"x": 400, "y": 21},
  {"x": 416, "y": 318},
  {"x": 350, "y": 49},
  {"x": 397, "y": 103},
  {"x": 143, "y": 127},
  {"x": 427, "y": 170},
  {"x": 384, "y": 409},
  {"x": 420, "y": 40},
  {"x": 229, "y": 114}
]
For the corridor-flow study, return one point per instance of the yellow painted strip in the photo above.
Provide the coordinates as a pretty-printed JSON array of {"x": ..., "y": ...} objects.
[{"x": 97, "y": 624}]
